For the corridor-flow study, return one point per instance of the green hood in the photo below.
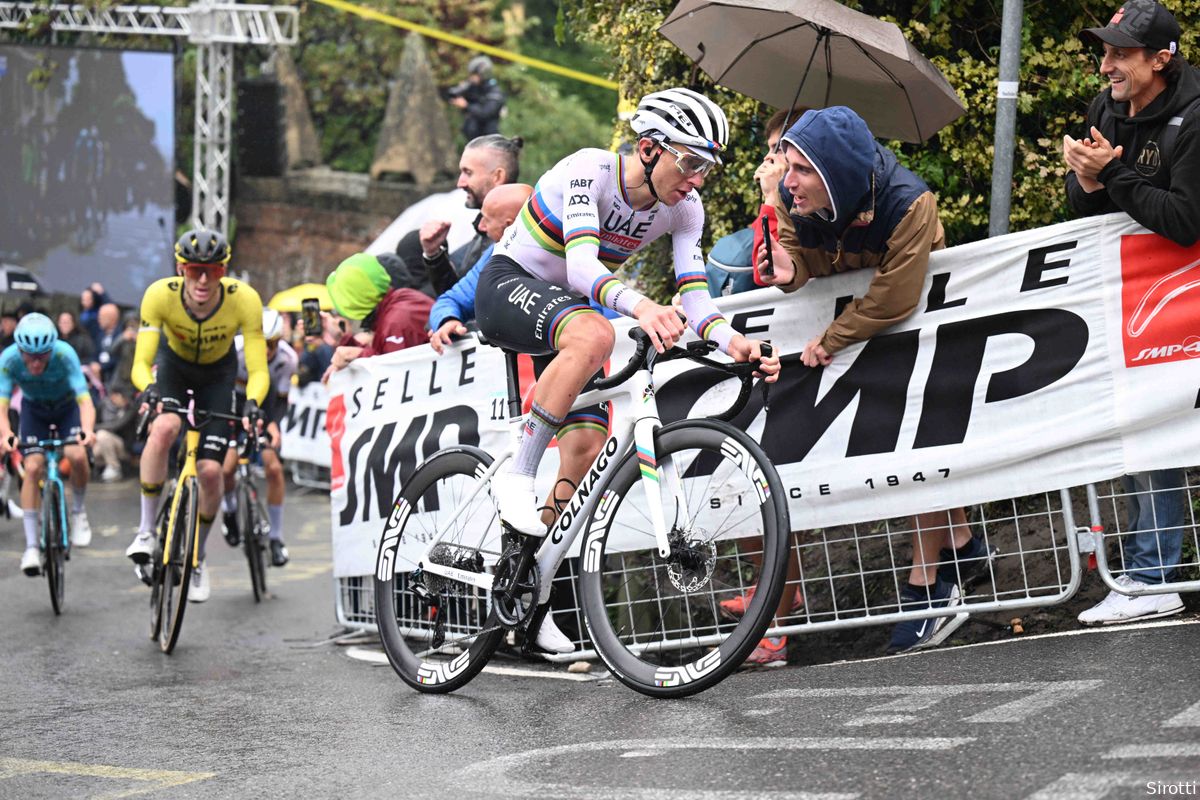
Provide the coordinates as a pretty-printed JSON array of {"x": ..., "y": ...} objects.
[{"x": 357, "y": 285}]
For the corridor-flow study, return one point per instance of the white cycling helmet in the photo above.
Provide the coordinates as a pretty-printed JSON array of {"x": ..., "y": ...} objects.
[
  {"x": 272, "y": 324},
  {"x": 685, "y": 117}
]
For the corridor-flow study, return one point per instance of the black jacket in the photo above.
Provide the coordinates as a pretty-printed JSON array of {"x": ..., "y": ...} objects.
[
  {"x": 1163, "y": 195},
  {"x": 482, "y": 114}
]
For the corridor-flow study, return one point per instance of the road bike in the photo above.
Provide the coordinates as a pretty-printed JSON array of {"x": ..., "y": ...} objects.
[
  {"x": 177, "y": 551},
  {"x": 55, "y": 529},
  {"x": 252, "y": 520},
  {"x": 674, "y": 518}
]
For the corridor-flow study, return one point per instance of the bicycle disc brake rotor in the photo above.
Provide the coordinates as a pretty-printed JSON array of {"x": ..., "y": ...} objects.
[
  {"x": 514, "y": 602},
  {"x": 691, "y": 562}
]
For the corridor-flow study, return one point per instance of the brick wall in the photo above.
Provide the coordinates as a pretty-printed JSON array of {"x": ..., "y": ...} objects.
[{"x": 296, "y": 229}]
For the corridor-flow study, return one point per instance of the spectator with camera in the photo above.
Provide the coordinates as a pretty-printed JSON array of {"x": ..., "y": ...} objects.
[{"x": 479, "y": 97}]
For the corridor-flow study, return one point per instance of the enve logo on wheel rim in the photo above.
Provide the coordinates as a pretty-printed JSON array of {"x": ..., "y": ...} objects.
[{"x": 1160, "y": 287}]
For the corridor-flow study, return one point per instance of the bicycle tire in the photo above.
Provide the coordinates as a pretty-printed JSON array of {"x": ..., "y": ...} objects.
[
  {"x": 655, "y": 622},
  {"x": 177, "y": 575},
  {"x": 155, "y": 566},
  {"x": 248, "y": 522},
  {"x": 434, "y": 490},
  {"x": 52, "y": 545}
]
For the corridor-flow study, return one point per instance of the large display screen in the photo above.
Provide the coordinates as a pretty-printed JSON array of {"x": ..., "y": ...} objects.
[{"x": 87, "y": 153}]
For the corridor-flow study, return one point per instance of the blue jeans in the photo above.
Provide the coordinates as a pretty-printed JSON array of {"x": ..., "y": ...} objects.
[{"x": 1154, "y": 543}]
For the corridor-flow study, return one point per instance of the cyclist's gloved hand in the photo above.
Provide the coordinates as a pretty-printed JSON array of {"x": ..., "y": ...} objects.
[
  {"x": 252, "y": 417},
  {"x": 151, "y": 397}
]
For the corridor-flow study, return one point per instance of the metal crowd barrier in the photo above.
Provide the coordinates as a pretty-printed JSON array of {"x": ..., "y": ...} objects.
[
  {"x": 850, "y": 576},
  {"x": 309, "y": 476},
  {"x": 1166, "y": 498}
]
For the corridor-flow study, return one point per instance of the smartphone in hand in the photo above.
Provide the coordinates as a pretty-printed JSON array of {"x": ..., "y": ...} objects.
[
  {"x": 769, "y": 269},
  {"x": 310, "y": 314}
]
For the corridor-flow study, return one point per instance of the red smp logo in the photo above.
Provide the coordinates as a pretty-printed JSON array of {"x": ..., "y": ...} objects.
[
  {"x": 1117, "y": 17},
  {"x": 1160, "y": 295}
]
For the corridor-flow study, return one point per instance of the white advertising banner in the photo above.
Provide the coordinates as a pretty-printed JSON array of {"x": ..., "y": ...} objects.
[
  {"x": 303, "y": 427},
  {"x": 1034, "y": 361}
]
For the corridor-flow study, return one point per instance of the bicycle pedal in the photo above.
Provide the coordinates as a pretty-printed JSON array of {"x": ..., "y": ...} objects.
[{"x": 143, "y": 573}]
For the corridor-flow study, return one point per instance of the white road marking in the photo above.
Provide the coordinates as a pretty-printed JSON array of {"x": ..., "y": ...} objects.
[
  {"x": 492, "y": 776},
  {"x": 1039, "y": 695},
  {"x": 374, "y": 656},
  {"x": 1187, "y": 718},
  {"x": 1166, "y": 750},
  {"x": 1085, "y": 786},
  {"x": 1134, "y": 626},
  {"x": 154, "y": 779}
]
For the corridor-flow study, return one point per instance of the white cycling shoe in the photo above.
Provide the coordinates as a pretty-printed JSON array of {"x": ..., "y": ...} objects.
[
  {"x": 518, "y": 503},
  {"x": 551, "y": 639},
  {"x": 142, "y": 547},
  {"x": 201, "y": 586},
  {"x": 31, "y": 562},
  {"x": 81, "y": 530}
]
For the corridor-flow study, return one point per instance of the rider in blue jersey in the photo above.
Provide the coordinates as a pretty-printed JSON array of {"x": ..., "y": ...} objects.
[{"x": 53, "y": 392}]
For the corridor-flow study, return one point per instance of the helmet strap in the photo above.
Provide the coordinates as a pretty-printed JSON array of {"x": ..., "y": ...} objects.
[{"x": 648, "y": 165}]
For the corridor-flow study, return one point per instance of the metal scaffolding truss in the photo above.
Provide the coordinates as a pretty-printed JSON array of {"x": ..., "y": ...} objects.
[{"x": 214, "y": 28}]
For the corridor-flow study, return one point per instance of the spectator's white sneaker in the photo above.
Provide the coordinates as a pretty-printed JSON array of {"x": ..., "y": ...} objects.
[
  {"x": 142, "y": 547},
  {"x": 1117, "y": 607},
  {"x": 518, "y": 504},
  {"x": 31, "y": 562},
  {"x": 201, "y": 587},
  {"x": 81, "y": 530},
  {"x": 110, "y": 474},
  {"x": 551, "y": 639}
]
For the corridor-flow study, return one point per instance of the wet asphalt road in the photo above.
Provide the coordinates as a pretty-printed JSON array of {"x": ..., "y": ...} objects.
[{"x": 253, "y": 704}]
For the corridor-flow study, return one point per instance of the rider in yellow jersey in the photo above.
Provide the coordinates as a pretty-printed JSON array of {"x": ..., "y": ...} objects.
[{"x": 186, "y": 342}]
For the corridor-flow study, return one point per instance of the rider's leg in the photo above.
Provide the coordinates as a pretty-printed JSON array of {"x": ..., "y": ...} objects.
[
  {"x": 79, "y": 475},
  {"x": 584, "y": 343},
  {"x": 228, "y": 469},
  {"x": 229, "y": 497},
  {"x": 275, "y": 487},
  {"x": 273, "y": 466},
  {"x": 81, "y": 528},
  {"x": 31, "y": 496},
  {"x": 153, "y": 466},
  {"x": 578, "y": 447},
  {"x": 208, "y": 475}
]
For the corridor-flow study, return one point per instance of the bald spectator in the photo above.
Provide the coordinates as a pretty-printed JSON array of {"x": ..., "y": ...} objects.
[
  {"x": 109, "y": 320},
  {"x": 457, "y": 305}
]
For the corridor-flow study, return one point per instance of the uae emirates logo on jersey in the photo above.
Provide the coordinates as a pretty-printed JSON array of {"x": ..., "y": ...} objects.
[{"x": 1160, "y": 290}]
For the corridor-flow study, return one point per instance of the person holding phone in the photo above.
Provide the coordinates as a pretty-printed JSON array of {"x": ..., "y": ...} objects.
[
  {"x": 846, "y": 203},
  {"x": 186, "y": 342}
]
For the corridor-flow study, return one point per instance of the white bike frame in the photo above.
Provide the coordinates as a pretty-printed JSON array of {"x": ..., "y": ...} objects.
[{"x": 641, "y": 420}]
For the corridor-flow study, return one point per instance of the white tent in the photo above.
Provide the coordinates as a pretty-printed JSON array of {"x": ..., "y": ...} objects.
[{"x": 445, "y": 205}]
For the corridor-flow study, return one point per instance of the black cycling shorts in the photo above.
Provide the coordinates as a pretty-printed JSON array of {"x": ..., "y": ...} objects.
[
  {"x": 520, "y": 312},
  {"x": 517, "y": 311},
  {"x": 38, "y": 416},
  {"x": 212, "y": 385}
]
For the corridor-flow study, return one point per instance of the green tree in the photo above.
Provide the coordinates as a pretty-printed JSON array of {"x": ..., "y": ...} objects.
[{"x": 1058, "y": 79}]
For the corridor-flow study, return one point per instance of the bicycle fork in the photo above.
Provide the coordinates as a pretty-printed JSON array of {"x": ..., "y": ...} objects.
[
  {"x": 653, "y": 475},
  {"x": 191, "y": 445}
]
